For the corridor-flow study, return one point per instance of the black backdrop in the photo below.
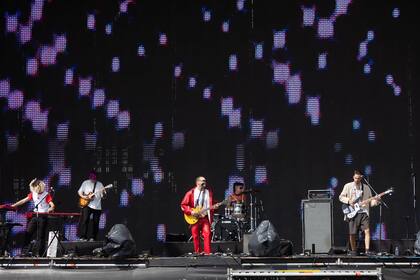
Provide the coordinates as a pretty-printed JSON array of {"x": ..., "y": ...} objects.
[{"x": 174, "y": 67}]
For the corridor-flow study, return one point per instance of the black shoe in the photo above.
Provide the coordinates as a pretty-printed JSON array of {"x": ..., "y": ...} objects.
[
  {"x": 369, "y": 253},
  {"x": 352, "y": 253}
]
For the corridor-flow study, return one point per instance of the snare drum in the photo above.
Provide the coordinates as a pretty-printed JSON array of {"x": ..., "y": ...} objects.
[{"x": 238, "y": 211}]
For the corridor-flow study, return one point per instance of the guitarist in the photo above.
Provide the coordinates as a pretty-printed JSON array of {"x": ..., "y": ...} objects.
[
  {"x": 94, "y": 208},
  {"x": 352, "y": 193},
  {"x": 200, "y": 196}
]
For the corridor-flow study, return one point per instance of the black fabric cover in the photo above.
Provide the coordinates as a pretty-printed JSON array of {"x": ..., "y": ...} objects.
[
  {"x": 265, "y": 242},
  {"x": 119, "y": 243}
]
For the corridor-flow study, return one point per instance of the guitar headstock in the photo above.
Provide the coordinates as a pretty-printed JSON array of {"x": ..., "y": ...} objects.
[{"x": 390, "y": 190}]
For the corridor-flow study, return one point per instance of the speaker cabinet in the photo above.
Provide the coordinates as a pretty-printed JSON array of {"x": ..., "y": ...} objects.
[{"x": 317, "y": 225}]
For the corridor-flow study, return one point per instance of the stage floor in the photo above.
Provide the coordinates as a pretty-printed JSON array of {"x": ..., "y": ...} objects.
[{"x": 213, "y": 267}]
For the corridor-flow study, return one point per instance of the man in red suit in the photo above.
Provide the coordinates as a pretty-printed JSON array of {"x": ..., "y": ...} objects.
[{"x": 200, "y": 196}]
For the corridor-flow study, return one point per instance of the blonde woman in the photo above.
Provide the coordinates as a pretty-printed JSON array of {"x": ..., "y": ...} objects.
[{"x": 43, "y": 204}]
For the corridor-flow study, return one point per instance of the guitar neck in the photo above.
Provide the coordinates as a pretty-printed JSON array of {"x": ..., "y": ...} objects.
[{"x": 373, "y": 197}]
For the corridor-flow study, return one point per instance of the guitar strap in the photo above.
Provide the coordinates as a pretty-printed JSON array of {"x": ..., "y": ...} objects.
[
  {"x": 94, "y": 187},
  {"x": 198, "y": 199}
]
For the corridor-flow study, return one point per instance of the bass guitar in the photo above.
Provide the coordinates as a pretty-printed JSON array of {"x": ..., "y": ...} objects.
[
  {"x": 83, "y": 202},
  {"x": 350, "y": 211},
  {"x": 199, "y": 211}
]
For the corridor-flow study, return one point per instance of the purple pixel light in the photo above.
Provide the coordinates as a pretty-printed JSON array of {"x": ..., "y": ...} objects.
[
  {"x": 325, "y": 28},
  {"x": 178, "y": 140},
  {"x": 258, "y": 53},
  {"x": 90, "y": 22},
  {"x": 158, "y": 131},
  {"x": 32, "y": 109},
  {"x": 123, "y": 120},
  {"x": 64, "y": 178},
  {"x": 12, "y": 143},
  {"x": 235, "y": 118},
  {"x": 112, "y": 109},
  {"x": 32, "y": 66},
  {"x": 281, "y": 72},
  {"x": 177, "y": 70},
  {"x": 163, "y": 39},
  {"x": 226, "y": 106},
  {"x": 137, "y": 186},
  {"x": 260, "y": 175},
  {"x": 240, "y": 157},
  {"x": 233, "y": 62},
  {"x": 85, "y": 85},
  {"x": 308, "y": 16},
  {"x": 36, "y": 10},
  {"x": 48, "y": 55},
  {"x": 4, "y": 87},
  {"x": 115, "y": 64},
  {"x": 161, "y": 233},
  {"x": 141, "y": 51},
  {"x": 124, "y": 198},
  {"x": 15, "y": 99},
  {"x": 11, "y": 23},
  {"x": 225, "y": 26},
  {"x": 279, "y": 39},
  {"x": 25, "y": 33},
  {"x": 90, "y": 141},
  {"x": 60, "y": 43},
  {"x": 62, "y": 131},
  {"x": 98, "y": 99},
  {"x": 257, "y": 128},
  {"x": 313, "y": 109},
  {"x": 272, "y": 139},
  {"x": 68, "y": 77},
  {"x": 322, "y": 61},
  {"x": 294, "y": 89},
  {"x": 40, "y": 122},
  {"x": 207, "y": 91}
]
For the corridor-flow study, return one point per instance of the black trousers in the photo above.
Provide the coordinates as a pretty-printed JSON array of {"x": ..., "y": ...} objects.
[
  {"x": 36, "y": 230},
  {"x": 84, "y": 223}
]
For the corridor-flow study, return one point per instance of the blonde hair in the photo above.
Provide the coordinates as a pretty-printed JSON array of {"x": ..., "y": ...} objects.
[{"x": 37, "y": 186}]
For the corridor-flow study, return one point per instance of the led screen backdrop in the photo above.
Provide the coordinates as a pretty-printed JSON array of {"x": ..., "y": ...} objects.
[{"x": 283, "y": 95}]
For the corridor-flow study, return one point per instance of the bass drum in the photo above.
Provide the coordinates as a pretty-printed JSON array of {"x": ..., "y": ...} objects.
[{"x": 226, "y": 229}]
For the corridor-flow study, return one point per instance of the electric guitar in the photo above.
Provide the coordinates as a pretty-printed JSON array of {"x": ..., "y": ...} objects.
[
  {"x": 350, "y": 211},
  {"x": 191, "y": 219},
  {"x": 83, "y": 202}
]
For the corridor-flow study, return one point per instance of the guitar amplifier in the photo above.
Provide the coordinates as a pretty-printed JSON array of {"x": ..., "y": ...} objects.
[
  {"x": 317, "y": 225},
  {"x": 319, "y": 194}
]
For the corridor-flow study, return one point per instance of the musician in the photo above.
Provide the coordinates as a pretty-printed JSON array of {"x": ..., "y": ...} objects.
[
  {"x": 352, "y": 193},
  {"x": 43, "y": 204},
  {"x": 87, "y": 191},
  {"x": 201, "y": 196},
  {"x": 238, "y": 195}
]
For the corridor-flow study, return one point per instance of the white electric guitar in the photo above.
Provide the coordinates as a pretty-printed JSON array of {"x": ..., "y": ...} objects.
[{"x": 351, "y": 211}]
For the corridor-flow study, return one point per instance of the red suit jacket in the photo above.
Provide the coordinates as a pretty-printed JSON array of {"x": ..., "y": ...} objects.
[{"x": 188, "y": 202}]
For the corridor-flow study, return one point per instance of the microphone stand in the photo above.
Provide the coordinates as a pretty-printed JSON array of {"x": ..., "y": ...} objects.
[{"x": 380, "y": 215}]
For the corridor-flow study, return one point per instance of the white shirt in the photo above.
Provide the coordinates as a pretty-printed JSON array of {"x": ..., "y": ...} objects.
[
  {"x": 203, "y": 199},
  {"x": 87, "y": 187},
  {"x": 41, "y": 201}
]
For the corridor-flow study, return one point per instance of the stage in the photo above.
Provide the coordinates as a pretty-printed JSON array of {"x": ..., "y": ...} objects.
[{"x": 218, "y": 266}]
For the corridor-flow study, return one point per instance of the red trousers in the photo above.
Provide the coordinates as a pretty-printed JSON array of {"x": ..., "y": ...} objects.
[{"x": 202, "y": 225}]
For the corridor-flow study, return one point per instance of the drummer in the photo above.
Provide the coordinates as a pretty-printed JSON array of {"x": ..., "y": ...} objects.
[{"x": 238, "y": 195}]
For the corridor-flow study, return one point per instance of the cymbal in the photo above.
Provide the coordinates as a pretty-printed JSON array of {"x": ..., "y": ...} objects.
[{"x": 252, "y": 191}]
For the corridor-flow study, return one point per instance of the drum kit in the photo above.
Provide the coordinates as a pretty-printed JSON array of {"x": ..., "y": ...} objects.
[{"x": 238, "y": 219}]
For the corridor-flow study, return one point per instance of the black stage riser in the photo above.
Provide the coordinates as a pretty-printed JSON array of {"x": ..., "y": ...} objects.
[
  {"x": 175, "y": 249},
  {"x": 78, "y": 248}
]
